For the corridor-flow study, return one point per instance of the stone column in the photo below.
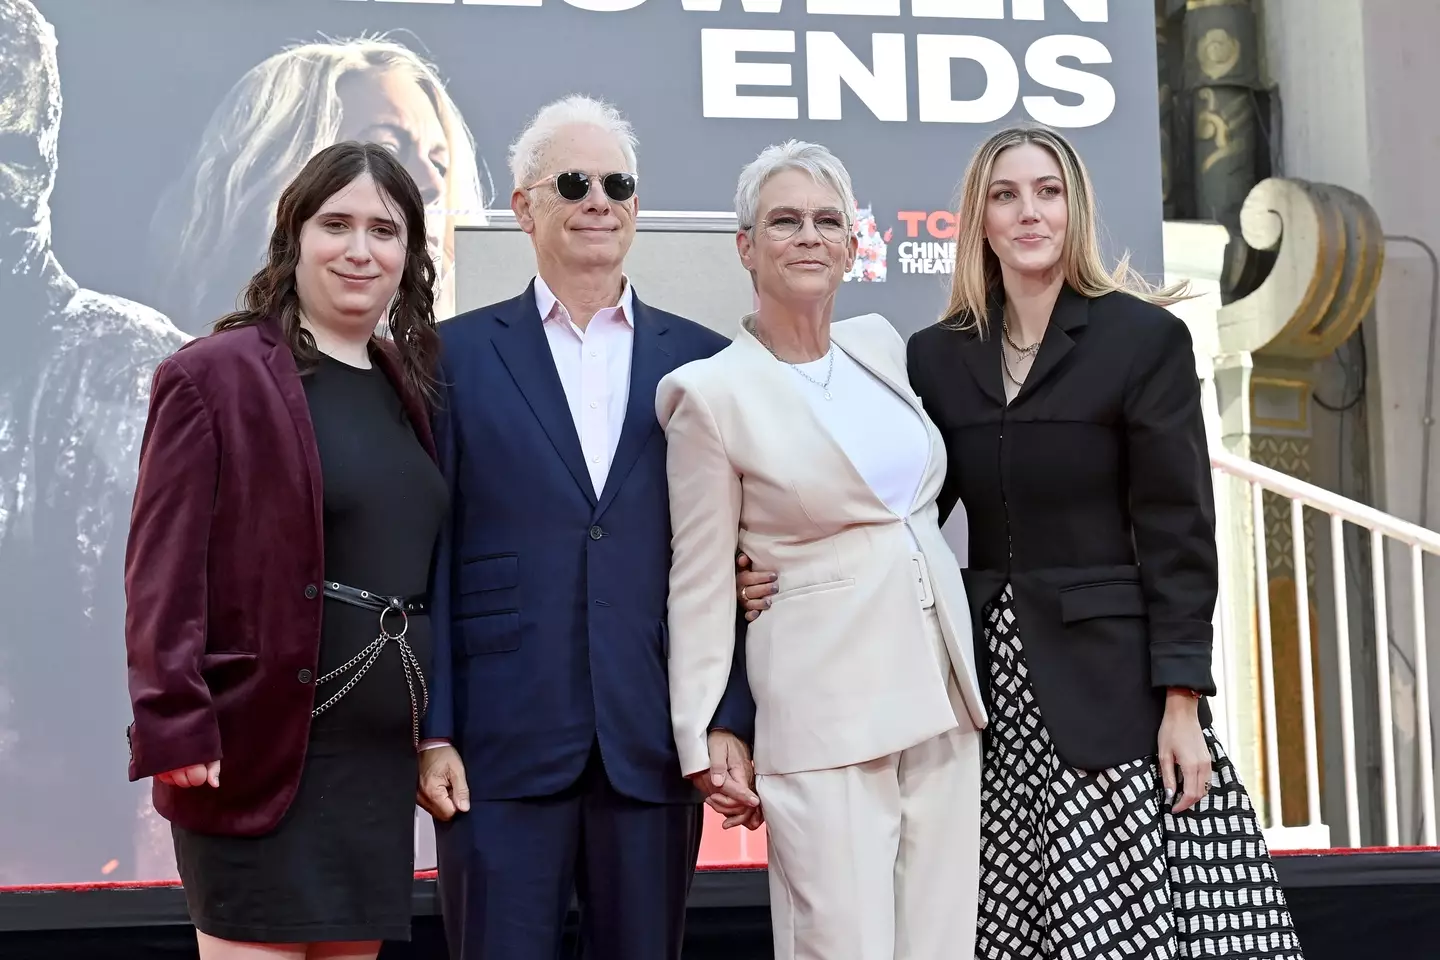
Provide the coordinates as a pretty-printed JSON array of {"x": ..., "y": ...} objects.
[{"x": 1221, "y": 77}]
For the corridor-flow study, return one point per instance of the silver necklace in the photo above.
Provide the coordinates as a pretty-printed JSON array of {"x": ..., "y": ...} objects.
[
  {"x": 1021, "y": 352},
  {"x": 829, "y": 370},
  {"x": 1005, "y": 362}
]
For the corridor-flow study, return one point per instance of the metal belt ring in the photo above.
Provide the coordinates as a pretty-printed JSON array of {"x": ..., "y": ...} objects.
[{"x": 404, "y": 623}]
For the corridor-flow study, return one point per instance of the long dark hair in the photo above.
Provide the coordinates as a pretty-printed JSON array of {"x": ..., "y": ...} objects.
[{"x": 271, "y": 292}]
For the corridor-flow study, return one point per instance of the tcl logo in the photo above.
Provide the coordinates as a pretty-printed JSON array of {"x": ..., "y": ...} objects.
[{"x": 938, "y": 224}]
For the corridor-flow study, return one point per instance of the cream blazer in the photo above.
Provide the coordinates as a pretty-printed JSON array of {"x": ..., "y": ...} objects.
[{"x": 839, "y": 666}]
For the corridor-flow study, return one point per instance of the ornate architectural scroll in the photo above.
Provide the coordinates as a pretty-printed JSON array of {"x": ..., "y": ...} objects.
[{"x": 1328, "y": 252}]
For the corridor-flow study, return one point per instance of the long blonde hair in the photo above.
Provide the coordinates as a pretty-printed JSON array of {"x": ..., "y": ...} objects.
[
  {"x": 213, "y": 224},
  {"x": 977, "y": 269}
]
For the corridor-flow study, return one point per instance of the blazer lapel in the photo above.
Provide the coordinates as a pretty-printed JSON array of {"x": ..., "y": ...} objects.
[
  {"x": 525, "y": 352},
  {"x": 650, "y": 359},
  {"x": 859, "y": 352},
  {"x": 985, "y": 360},
  {"x": 281, "y": 363},
  {"x": 982, "y": 358},
  {"x": 812, "y": 443},
  {"x": 896, "y": 380},
  {"x": 1070, "y": 313}
]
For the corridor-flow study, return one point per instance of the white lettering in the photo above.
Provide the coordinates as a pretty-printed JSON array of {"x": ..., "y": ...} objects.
[
  {"x": 749, "y": 6},
  {"x": 490, "y": 3},
  {"x": 933, "y": 56},
  {"x": 855, "y": 8},
  {"x": 1097, "y": 95},
  {"x": 829, "y": 63},
  {"x": 722, "y": 74},
  {"x": 959, "y": 9},
  {"x": 605, "y": 6},
  {"x": 926, "y": 256},
  {"x": 1091, "y": 11}
]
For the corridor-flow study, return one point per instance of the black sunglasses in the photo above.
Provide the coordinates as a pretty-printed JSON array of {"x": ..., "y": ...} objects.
[{"x": 574, "y": 185}]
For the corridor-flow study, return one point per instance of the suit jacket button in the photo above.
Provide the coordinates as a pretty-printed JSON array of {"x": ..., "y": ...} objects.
[
  {"x": 596, "y": 533},
  {"x": 304, "y": 676},
  {"x": 310, "y": 591}
]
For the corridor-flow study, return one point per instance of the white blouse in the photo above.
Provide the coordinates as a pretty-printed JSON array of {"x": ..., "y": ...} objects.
[{"x": 882, "y": 434}]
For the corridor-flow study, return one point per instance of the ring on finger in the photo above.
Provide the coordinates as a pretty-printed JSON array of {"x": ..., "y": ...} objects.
[{"x": 745, "y": 594}]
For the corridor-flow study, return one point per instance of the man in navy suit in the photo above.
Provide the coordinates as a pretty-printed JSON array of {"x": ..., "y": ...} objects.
[{"x": 550, "y": 763}]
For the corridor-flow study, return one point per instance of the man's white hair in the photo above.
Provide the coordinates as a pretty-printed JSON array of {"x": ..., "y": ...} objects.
[
  {"x": 822, "y": 166},
  {"x": 527, "y": 154}
]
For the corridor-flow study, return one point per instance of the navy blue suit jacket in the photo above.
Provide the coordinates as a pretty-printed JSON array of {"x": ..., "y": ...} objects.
[{"x": 548, "y": 601}]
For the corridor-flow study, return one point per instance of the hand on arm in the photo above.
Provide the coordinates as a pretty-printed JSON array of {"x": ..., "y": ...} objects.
[{"x": 753, "y": 588}]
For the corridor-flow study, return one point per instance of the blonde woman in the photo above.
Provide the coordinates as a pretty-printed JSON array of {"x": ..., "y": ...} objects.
[
  {"x": 210, "y": 232},
  {"x": 1112, "y": 822}
]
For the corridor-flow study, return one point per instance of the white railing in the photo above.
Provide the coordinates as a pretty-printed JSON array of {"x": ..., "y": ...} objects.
[{"x": 1382, "y": 527}]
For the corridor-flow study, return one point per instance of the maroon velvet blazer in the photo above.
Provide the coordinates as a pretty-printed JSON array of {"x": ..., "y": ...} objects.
[{"x": 223, "y": 577}]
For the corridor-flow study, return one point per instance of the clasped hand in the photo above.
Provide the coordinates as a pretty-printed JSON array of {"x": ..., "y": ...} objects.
[
  {"x": 728, "y": 785},
  {"x": 443, "y": 791}
]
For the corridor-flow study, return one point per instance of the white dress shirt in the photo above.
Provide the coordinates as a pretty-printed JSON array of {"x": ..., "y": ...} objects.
[{"x": 594, "y": 368}]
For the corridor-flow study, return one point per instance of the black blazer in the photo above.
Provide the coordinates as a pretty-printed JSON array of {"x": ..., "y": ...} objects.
[{"x": 1091, "y": 495}]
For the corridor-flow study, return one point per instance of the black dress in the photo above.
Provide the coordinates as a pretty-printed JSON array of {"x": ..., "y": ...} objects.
[{"x": 340, "y": 866}]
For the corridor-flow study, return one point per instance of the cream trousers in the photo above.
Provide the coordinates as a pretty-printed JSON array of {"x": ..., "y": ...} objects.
[{"x": 880, "y": 860}]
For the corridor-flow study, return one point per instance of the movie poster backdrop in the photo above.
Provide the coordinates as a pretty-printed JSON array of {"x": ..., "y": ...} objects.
[{"x": 144, "y": 143}]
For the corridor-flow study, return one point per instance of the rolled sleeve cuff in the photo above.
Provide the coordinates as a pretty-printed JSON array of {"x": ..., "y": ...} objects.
[
  {"x": 694, "y": 754},
  {"x": 196, "y": 741},
  {"x": 437, "y": 723},
  {"x": 1183, "y": 663}
]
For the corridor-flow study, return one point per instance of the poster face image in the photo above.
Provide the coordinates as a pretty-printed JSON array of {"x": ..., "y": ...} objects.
[{"x": 143, "y": 147}]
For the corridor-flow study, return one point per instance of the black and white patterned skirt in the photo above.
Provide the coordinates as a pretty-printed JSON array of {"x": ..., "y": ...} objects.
[{"x": 1080, "y": 865}]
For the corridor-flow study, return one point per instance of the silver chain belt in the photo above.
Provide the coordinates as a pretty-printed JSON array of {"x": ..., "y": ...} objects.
[{"x": 413, "y": 674}]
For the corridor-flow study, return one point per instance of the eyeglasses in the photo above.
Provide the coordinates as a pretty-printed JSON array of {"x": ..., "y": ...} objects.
[
  {"x": 783, "y": 224},
  {"x": 574, "y": 185}
]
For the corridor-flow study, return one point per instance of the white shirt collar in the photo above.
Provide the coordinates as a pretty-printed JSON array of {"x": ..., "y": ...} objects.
[{"x": 545, "y": 299}]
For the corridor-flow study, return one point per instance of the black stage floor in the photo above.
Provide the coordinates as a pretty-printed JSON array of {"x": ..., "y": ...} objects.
[{"x": 1366, "y": 905}]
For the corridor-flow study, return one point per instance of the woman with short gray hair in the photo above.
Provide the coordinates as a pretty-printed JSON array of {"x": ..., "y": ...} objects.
[{"x": 803, "y": 445}]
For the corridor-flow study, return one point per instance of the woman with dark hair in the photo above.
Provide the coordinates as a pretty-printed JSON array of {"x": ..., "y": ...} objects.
[{"x": 287, "y": 506}]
